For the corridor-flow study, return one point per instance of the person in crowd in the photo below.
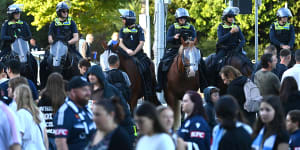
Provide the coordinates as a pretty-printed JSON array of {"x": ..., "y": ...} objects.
[
  {"x": 211, "y": 96},
  {"x": 86, "y": 52},
  {"x": 269, "y": 130},
  {"x": 64, "y": 28},
  {"x": 166, "y": 117},
  {"x": 194, "y": 129},
  {"x": 12, "y": 84},
  {"x": 285, "y": 59},
  {"x": 108, "y": 113},
  {"x": 80, "y": 42},
  {"x": 13, "y": 70},
  {"x": 3, "y": 75},
  {"x": 236, "y": 81},
  {"x": 154, "y": 135},
  {"x": 230, "y": 133},
  {"x": 117, "y": 77},
  {"x": 293, "y": 127},
  {"x": 73, "y": 122},
  {"x": 282, "y": 33},
  {"x": 33, "y": 126},
  {"x": 174, "y": 34},
  {"x": 52, "y": 97},
  {"x": 294, "y": 71},
  {"x": 13, "y": 28},
  {"x": 289, "y": 94},
  {"x": 10, "y": 137},
  {"x": 267, "y": 82},
  {"x": 33, "y": 46},
  {"x": 114, "y": 39},
  {"x": 83, "y": 66}
]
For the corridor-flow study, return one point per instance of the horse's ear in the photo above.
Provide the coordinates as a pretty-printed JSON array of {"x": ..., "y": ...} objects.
[{"x": 104, "y": 44}]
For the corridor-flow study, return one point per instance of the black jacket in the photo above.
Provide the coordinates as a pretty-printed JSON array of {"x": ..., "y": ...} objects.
[
  {"x": 293, "y": 102},
  {"x": 209, "y": 108}
]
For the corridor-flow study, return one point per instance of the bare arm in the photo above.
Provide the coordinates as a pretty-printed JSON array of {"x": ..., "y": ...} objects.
[
  {"x": 61, "y": 143},
  {"x": 46, "y": 142},
  {"x": 139, "y": 47},
  {"x": 50, "y": 39},
  {"x": 15, "y": 147},
  {"x": 83, "y": 49},
  {"x": 74, "y": 39},
  {"x": 123, "y": 46}
]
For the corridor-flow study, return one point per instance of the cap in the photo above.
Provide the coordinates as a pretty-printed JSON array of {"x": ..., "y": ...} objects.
[{"x": 77, "y": 82}]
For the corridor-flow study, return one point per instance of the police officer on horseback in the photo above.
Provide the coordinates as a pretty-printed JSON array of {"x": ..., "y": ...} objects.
[
  {"x": 282, "y": 33},
  {"x": 131, "y": 42},
  {"x": 230, "y": 37},
  {"x": 63, "y": 28},
  {"x": 12, "y": 29},
  {"x": 174, "y": 34}
]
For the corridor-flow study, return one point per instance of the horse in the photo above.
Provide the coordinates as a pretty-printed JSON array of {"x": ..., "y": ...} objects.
[
  {"x": 59, "y": 59},
  {"x": 128, "y": 65},
  {"x": 235, "y": 60},
  {"x": 20, "y": 51},
  {"x": 181, "y": 77}
]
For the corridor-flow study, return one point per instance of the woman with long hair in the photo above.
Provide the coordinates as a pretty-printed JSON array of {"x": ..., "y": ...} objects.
[
  {"x": 289, "y": 94},
  {"x": 270, "y": 130},
  {"x": 194, "y": 129},
  {"x": 33, "y": 126},
  {"x": 108, "y": 113},
  {"x": 12, "y": 84},
  {"x": 52, "y": 97},
  {"x": 230, "y": 133},
  {"x": 153, "y": 134}
]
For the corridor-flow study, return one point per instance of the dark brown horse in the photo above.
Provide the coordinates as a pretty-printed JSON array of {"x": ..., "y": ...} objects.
[
  {"x": 128, "y": 65},
  {"x": 180, "y": 78}
]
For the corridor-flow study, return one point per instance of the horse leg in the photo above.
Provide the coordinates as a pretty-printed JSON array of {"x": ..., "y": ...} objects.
[
  {"x": 174, "y": 104},
  {"x": 154, "y": 98}
]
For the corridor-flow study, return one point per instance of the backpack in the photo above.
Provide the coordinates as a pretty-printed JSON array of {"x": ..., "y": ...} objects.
[
  {"x": 252, "y": 96},
  {"x": 116, "y": 78}
]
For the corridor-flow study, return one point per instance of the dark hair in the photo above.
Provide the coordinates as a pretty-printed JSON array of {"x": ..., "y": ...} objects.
[
  {"x": 13, "y": 83},
  {"x": 265, "y": 60},
  {"x": 112, "y": 105},
  {"x": 285, "y": 52},
  {"x": 227, "y": 110},
  {"x": 2, "y": 67},
  {"x": 55, "y": 90},
  {"x": 288, "y": 86},
  {"x": 84, "y": 62},
  {"x": 277, "y": 125},
  {"x": 198, "y": 104},
  {"x": 295, "y": 116},
  {"x": 230, "y": 72},
  {"x": 214, "y": 90},
  {"x": 148, "y": 110},
  {"x": 14, "y": 65},
  {"x": 270, "y": 49},
  {"x": 297, "y": 55},
  {"x": 113, "y": 59}
]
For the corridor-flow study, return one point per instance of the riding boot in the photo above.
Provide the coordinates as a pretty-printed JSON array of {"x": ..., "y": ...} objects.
[{"x": 159, "y": 86}]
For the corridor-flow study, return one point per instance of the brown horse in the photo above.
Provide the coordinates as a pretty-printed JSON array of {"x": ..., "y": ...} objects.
[
  {"x": 128, "y": 65},
  {"x": 179, "y": 79}
]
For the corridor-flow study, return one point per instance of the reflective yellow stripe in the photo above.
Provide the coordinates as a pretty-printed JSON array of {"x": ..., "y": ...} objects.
[
  {"x": 135, "y": 132},
  {"x": 133, "y": 30},
  {"x": 66, "y": 23},
  {"x": 280, "y": 27},
  {"x": 18, "y": 22},
  {"x": 225, "y": 26},
  {"x": 177, "y": 26}
]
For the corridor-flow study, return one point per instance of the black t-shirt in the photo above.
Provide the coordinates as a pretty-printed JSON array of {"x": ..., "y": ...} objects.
[
  {"x": 282, "y": 137},
  {"x": 235, "y": 139},
  {"x": 45, "y": 107}
]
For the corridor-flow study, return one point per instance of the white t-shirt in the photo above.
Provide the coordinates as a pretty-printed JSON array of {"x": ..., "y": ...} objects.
[
  {"x": 32, "y": 136},
  {"x": 161, "y": 141},
  {"x": 9, "y": 128}
]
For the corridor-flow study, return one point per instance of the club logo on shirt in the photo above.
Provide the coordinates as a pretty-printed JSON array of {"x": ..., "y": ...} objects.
[
  {"x": 198, "y": 134},
  {"x": 61, "y": 132}
]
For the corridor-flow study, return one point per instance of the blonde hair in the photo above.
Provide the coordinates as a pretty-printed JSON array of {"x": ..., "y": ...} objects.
[
  {"x": 24, "y": 100},
  {"x": 230, "y": 72}
]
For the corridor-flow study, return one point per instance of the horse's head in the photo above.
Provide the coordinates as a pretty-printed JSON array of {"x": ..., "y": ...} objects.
[{"x": 190, "y": 57}]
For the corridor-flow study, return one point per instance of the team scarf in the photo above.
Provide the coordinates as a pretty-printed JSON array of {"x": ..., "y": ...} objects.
[{"x": 267, "y": 145}]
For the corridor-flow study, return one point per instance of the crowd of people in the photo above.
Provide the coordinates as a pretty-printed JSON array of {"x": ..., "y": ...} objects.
[{"x": 91, "y": 111}]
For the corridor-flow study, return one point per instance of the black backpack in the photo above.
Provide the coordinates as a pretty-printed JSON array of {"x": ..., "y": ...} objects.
[{"x": 116, "y": 78}]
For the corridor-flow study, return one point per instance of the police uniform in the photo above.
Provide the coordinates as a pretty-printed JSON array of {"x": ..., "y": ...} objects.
[
  {"x": 63, "y": 31},
  {"x": 75, "y": 124},
  {"x": 228, "y": 42},
  {"x": 282, "y": 35},
  {"x": 12, "y": 30},
  {"x": 196, "y": 132},
  {"x": 294, "y": 141}
]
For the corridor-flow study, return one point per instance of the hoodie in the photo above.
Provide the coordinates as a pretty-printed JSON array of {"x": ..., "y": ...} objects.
[{"x": 209, "y": 107}]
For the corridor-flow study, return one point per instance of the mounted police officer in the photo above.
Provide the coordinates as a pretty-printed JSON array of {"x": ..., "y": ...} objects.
[
  {"x": 12, "y": 29},
  {"x": 174, "y": 34},
  {"x": 63, "y": 28},
  {"x": 230, "y": 37},
  {"x": 132, "y": 41},
  {"x": 282, "y": 33}
]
